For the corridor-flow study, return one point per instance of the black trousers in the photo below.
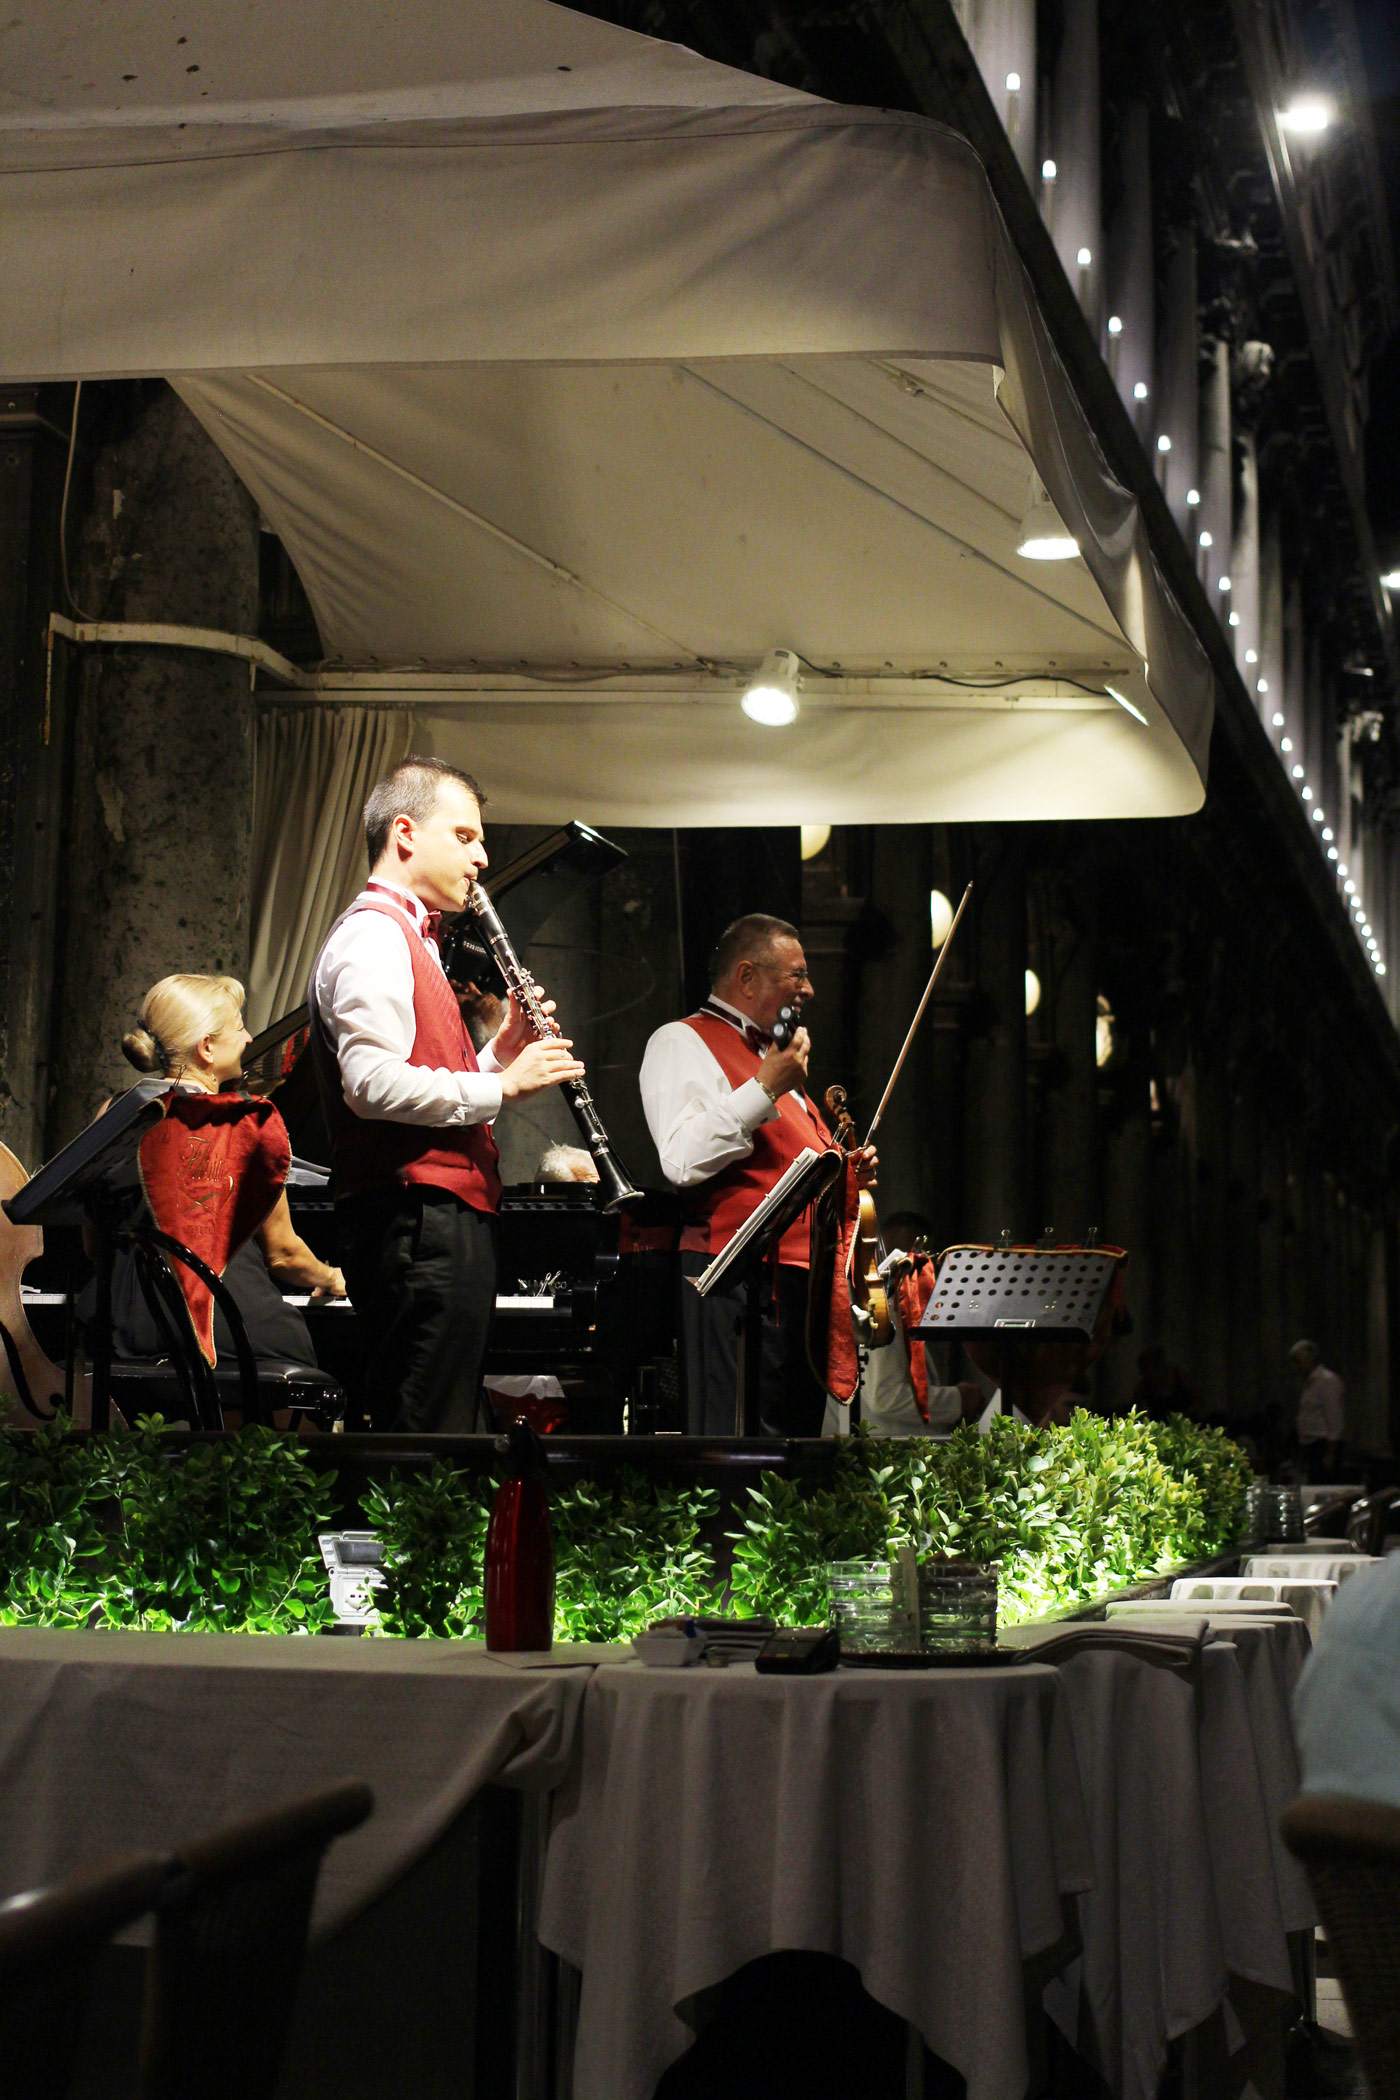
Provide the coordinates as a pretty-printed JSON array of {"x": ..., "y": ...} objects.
[
  {"x": 420, "y": 1267},
  {"x": 790, "y": 1400}
]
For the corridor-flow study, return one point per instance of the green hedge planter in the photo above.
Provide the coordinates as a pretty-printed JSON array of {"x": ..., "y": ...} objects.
[{"x": 122, "y": 1530}]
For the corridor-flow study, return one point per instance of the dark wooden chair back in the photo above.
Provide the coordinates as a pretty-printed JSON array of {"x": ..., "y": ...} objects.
[
  {"x": 1351, "y": 1851},
  {"x": 230, "y": 1940},
  {"x": 49, "y": 1942}
]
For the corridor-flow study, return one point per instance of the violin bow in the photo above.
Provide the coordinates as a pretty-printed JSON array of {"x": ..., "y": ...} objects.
[{"x": 918, "y": 1016}]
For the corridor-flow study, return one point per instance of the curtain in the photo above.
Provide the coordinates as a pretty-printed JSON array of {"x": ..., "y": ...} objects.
[{"x": 313, "y": 768}]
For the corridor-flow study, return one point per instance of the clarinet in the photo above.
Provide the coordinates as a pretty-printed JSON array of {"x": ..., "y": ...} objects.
[{"x": 614, "y": 1182}]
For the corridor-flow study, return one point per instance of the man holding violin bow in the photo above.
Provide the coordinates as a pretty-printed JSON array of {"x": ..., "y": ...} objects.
[{"x": 725, "y": 1101}]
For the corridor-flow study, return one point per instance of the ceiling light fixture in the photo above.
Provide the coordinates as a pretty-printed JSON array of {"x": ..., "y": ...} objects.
[
  {"x": 1043, "y": 535},
  {"x": 771, "y": 700}
]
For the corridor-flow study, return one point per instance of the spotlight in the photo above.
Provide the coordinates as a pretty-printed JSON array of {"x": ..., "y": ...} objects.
[
  {"x": 1013, "y": 83},
  {"x": 1277, "y": 719},
  {"x": 1327, "y": 837},
  {"x": 1331, "y": 852},
  {"x": 1349, "y": 888},
  {"x": 1140, "y": 390},
  {"x": 1224, "y": 584},
  {"x": 1193, "y": 497},
  {"x": 1207, "y": 539},
  {"x": 1084, "y": 258},
  {"x": 1307, "y": 793},
  {"x": 772, "y": 698},
  {"x": 1164, "y": 443},
  {"x": 1048, "y": 171},
  {"x": 1285, "y": 743},
  {"x": 1234, "y": 619},
  {"x": 1297, "y": 772},
  {"x": 1306, "y": 116},
  {"x": 1043, "y": 536},
  {"x": 1251, "y": 656},
  {"x": 1391, "y": 579},
  {"x": 1115, "y": 327},
  {"x": 1261, "y": 685},
  {"x": 1032, "y": 993},
  {"x": 940, "y": 913}
]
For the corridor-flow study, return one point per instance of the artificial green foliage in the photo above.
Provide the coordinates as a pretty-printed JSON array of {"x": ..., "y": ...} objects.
[
  {"x": 1065, "y": 1513},
  {"x": 628, "y": 1550},
  {"x": 219, "y": 1538},
  {"x": 53, "y": 1500},
  {"x": 118, "y": 1531},
  {"x": 432, "y": 1534}
]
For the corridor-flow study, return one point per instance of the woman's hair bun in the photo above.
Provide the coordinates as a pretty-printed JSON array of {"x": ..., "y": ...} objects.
[{"x": 139, "y": 1049}]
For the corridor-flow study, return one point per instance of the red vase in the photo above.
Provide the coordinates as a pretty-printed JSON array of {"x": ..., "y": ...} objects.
[{"x": 519, "y": 1564}]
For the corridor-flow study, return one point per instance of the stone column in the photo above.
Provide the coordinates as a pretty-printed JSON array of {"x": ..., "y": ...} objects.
[
  {"x": 994, "y": 1134},
  {"x": 1129, "y": 1216},
  {"x": 1216, "y": 513},
  {"x": 1180, "y": 413},
  {"x": 1069, "y": 1141},
  {"x": 1074, "y": 141},
  {"x": 1001, "y": 34},
  {"x": 157, "y": 851},
  {"x": 892, "y": 977},
  {"x": 1268, "y": 673},
  {"x": 1244, "y": 562},
  {"x": 1131, "y": 293},
  {"x": 33, "y": 743}
]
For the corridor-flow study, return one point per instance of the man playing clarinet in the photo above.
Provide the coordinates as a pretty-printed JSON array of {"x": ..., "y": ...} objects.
[
  {"x": 728, "y": 1114},
  {"x": 410, "y": 1104}
]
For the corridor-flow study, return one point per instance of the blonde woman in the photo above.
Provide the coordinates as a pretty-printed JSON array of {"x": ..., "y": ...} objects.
[{"x": 192, "y": 1031}]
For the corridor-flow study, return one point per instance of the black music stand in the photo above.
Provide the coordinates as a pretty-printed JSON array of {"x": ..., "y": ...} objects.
[
  {"x": 745, "y": 1257},
  {"x": 88, "y": 1183},
  {"x": 1014, "y": 1298}
]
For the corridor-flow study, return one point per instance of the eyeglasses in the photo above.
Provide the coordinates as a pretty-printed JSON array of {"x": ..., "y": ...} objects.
[{"x": 784, "y": 976}]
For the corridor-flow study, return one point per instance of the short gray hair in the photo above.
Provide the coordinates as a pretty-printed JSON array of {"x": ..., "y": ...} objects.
[
  {"x": 411, "y": 790},
  {"x": 749, "y": 939}
]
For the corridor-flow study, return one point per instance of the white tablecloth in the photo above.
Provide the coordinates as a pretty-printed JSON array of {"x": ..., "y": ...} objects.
[
  {"x": 923, "y": 1827},
  {"x": 117, "y": 1741},
  {"x": 1309, "y": 1599}
]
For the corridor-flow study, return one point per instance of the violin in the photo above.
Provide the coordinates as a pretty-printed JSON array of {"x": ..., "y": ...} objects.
[
  {"x": 870, "y": 1299},
  {"x": 35, "y": 1386}
]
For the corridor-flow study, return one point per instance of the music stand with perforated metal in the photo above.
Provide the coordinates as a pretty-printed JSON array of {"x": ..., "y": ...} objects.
[{"x": 1014, "y": 1300}]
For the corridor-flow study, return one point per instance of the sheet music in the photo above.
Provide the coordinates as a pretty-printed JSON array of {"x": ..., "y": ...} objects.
[{"x": 754, "y": 1224}]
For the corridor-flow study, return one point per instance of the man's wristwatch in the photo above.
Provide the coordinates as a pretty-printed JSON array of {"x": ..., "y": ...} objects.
[{"x": 768, "y": 1090}]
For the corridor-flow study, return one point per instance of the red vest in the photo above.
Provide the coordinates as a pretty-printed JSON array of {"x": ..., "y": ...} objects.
[
  {"x": 368, "y": 1153},
  {"x": 718, "y": 1207}
]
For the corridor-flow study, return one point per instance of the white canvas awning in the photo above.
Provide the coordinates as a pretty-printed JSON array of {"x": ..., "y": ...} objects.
[{"x": 576, "y": 374}]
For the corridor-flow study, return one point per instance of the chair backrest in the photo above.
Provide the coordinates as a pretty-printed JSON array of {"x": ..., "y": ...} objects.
[
  {"x": 49, "y": 1942},
  {"x": 230, "y": 1939},
  {"x": 1351, "y": 1851}
]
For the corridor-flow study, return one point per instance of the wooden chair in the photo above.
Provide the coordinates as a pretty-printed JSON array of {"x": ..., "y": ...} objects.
[
  {"x": 1351, "y": 1851},
  {"x": 49, "y": 1943},
  {"x": 231, "y": 1931}
]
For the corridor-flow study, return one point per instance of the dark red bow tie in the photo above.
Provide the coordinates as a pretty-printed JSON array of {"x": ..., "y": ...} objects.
[{"x": 757, "y": 1038}]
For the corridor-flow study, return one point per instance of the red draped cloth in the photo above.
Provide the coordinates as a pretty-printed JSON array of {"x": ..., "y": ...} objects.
[
  {"x": 913, "y": 1289},
  {"x": 842, "y": 1356},
  {"x": 212, "y": 1169}
]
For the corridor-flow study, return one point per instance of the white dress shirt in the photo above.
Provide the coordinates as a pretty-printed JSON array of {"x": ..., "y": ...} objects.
[
  {"x": 362, "y": 989},
  {"x": 699, "y": 1123},
  {"x": 1320, "y": 1407}
]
